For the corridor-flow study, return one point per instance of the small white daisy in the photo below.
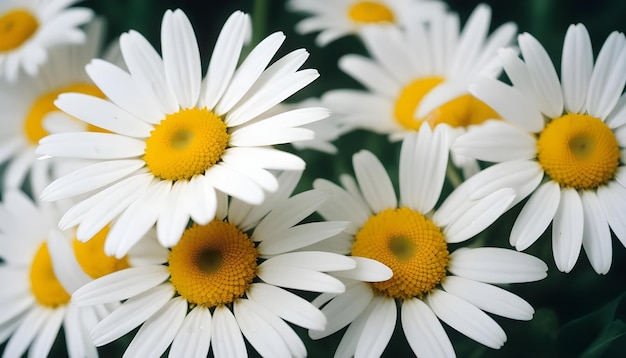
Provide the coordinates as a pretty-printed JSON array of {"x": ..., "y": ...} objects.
[
  {"x": 562, "y": 143},
  {"x": 42, "y": 267},
  {"x": 422, "y": 74},
  {"x": 224, "y": 279},
  {"x": 337, "y": 18},
  {"x": 176, "y": 139},
  {"x": 27, "y": 110},
  {"x": 410, "y": 237},
  {"x": 30, "y": 28}
]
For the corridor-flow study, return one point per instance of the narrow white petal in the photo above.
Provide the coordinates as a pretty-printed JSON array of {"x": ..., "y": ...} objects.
[
  {"x": 301, "y": 236},
  {"x": 233, "y": 183},
  {"x": 47, "y": 335},
  {"x": 202, "y": 200},
  {"x": 466, "y": 318},
  {"x": 26, "y": 331},
  {"x": 268, "y": 334},
  {"x": 287, "y": 306},
  {"x": 226, "y": 336},
  {"x": 617, "y": 117},
  {"x": 373, "y": 180},
  {"x": 90, "y": 178},
  {"x": 135, "y": 311},
  {"x": 64, "y": 263},
  {"x": 496, "y": 141},
  {"x": 423, "y": 331},
  {"x": 120, "y": 285},
  {"x": 367, "y": 270},
  {"x": 608, "y": 78},
  {"x": 158, "y": 331},
  {"x": 344, "y": 309},
  {"x": 378, "y": 328},
  {"x": 496, "y": 265},
  {"x": 536, "y": 215},
  {"x": 479, "y": 216},
  {"x": 181, "y": 58},
  {"x": 90, "y": 145},
  {"x": 174, "y": 217},
  {"x": 350, "y": 340},
  {"x": 369, "y": 74},
  {"x": 102, "y": 113},
  {"x": 265, "y": 157},
  {"x": 299, "y": 278},
  {"x": 489, "y": 298},
  {"x": 596, "y": 234},
  {"x": 313, "y": 260},
  {"x": 194, "y": 336},
  {"x": 342, "y": 206},
  {"x": 77, "y": 323},
  {"x": 567, "y": 230},
  {"x": 547, "y": 89},
  {"x": 612, "y": 198},
  {"x": 576, "y": 67}
]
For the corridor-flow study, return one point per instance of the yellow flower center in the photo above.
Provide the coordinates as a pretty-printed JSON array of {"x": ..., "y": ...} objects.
[
  {"x": 370, "y": 12},
  {"x": 213, "y": 264},
  {"x": 460, "y": 112},
  {"x": 186, "y": 143},
  {"x": 578, "y": 151},
  {"x": 33, "y": 124},
  {"x": 408, "y": 243},
  {"x": 47, "y": 290},
  {"x": 16, "y": 27},
  {"x": 92, "y": 259}
]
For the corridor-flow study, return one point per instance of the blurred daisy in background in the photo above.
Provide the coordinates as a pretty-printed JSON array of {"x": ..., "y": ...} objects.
[
  {"x": 176, "y": 139},
  {"x": 27, "y": 107},
  {"x": 562, "y": 143},
  {"x": 223, "y": 279},
  {"x": 41, "y": 267},
  {"x": 429, "y": 282},
  {"x": 334, "y": 19},
  {"x": 31, "y": 28},
  {"x": 422, "y": 74}
]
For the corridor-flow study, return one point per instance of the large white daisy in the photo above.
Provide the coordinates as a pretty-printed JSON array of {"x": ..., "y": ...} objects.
[
  {"x": 429, "y": 283},
  {"x": 27, "y": 107},
  {"x": 176, "y": 139},
  {"x": 224, "y": 279},
  {"x": 30, "y": 28},
  {"x": 42, "y": 267},
  {"x": 422, "y": 74},
  {"x": 562, "y": 143},
  {"x": 337, "y": 18}
]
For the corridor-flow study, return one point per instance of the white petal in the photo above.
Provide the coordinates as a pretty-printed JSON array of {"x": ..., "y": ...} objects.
[
  {"x": 609, "y": 76},
  {"x": 26, "y": 331},
  {"x": 535, "y": 216},
  {"x": 64, "y": 263},
  {"x": 496, "y": 141},
  {"x": 612, "y": 198},
  {"x": 135, "y": 311},
  {"x": 422, "y": 329},
  {"x": 120, "y": 285},
  {"x": 40, "y": 347},
  {"x": 496, "y": 265},
  {"x": 369, "y": 74},
  {"x": 489, "y": 298},
  {"x": 174, "y": 217},
  {"x": 158, "y": 331},
  {"x": 378, "y": 328},
  {"x": 299, "y": 278},
  {"x": 102, "y": 113},
  {"x": 226, "y": 338},
  {"x": 576, "y": 67},
  {"x": 342, "y": 206},
  {"x": 367, "y": 270},
  {"x": 265, "y": 157},
  {"x": 567, "y": 230},
  {"x": 301, "y": 236},
  {"x": 202, "y": 200},
  {"x": 181, "y": 58},
  {"x": 466, "y": 318},
  {"x": 596, "y": 234},
  {"x": 287, "y": 306},
  {"x": 312, "y": 260},
  {"x": 617, "y": 118},
  {"x": 90, "y": 145},
  {"x": 375, "y": 184},
  {"x": 233, "y": 183},
  {"x": 194, "y": 336}
]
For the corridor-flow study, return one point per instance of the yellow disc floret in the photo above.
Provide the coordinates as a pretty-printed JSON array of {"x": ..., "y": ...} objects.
[
  {"x": 186, "y": 143},
  {"x": 578, "y": 151},
  {"x": 47, "y": 290},
  {"x": 44, "y": 104},
  {"x": 213, "y": 264},
  {"x": 16, "y": 27},
  {"x": 408, "y": 243},
  {"x": 462, "y": 111},
  {"x": 92, "y": 259},
  {"x": 368, "y": 12}
]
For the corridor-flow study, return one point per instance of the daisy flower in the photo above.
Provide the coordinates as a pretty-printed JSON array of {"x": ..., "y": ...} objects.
[
  {"x": 338, "y": 18},
  {"x": 420, "y": 75},
  {"x": 223, "y": 280},
  {"x": 28, "y": 110},
  {"x": 41, "y": 267},
  {"x": 562, "y": 143},
  {"x": 176, "y": 139},
  {"x": 429, "y": 282},
  {"x": 30, "y": 28}
]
